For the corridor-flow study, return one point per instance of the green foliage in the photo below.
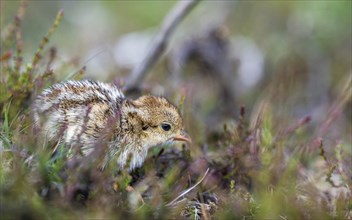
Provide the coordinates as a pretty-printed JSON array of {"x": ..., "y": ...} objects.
[{"x": 20, "y": 80}]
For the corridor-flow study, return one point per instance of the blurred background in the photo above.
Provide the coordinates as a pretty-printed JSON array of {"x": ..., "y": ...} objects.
[{"x": 225, "y": 54}]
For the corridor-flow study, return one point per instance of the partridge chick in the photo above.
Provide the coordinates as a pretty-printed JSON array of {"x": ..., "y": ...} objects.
[{"x": 85, "y": 113}]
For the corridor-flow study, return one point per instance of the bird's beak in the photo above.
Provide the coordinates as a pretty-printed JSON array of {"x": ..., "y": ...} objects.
[{"x": 183, "y": 137}]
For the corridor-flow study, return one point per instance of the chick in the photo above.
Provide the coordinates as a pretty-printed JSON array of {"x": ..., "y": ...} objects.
[{"x": 86, "y": 113}]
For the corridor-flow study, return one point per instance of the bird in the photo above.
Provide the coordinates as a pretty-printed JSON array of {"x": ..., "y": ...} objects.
[{"x": 89, "y": 112}]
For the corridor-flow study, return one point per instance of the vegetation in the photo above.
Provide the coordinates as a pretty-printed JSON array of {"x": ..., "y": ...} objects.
[{"x": 271, "y": 160}]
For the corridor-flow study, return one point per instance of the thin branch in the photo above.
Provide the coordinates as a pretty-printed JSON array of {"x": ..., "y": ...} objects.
[
  {"x": 344, "y": 96},
  {"x": 188, "y": 190},
  {"x": 170, "y": 23},
  {"x": 291, "y": 129}
]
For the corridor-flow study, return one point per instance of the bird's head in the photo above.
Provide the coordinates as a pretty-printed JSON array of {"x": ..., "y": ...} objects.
[{"x": 154, "y": 120}]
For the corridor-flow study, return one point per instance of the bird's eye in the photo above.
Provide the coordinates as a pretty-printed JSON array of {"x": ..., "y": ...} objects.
[{"x": 165, "y": 126}]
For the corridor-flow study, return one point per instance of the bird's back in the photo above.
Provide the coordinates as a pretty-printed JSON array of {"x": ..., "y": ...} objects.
[{"x": 78, "y": 111}]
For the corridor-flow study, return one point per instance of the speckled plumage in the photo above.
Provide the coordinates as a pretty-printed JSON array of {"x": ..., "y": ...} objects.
[{"x": 87, "y": 112}]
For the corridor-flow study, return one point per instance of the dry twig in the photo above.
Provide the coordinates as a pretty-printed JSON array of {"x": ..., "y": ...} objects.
[
  {"x": 170, "y": 23},
  {"x": 188, "y": 190}
]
